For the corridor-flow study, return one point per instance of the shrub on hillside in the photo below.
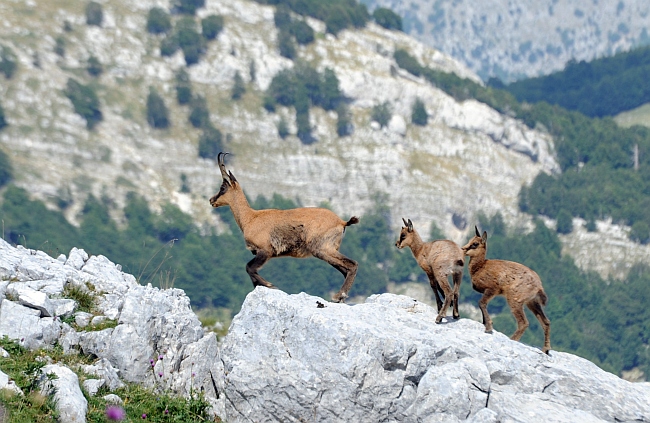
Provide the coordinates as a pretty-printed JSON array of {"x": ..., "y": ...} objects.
[
  {"x": 85, "y": 102},
  {"x": 5, "y": 169},
  {"x": 211, "y": 26},
  {"x": 302, "y": 31},
  {"x": 189, "y": 40},
  {"x": 94, "y": 14},
  {"x": 199, "y": 114},
  {"x": 157, "y": 114},
  {"x": 238, "y": 88},
  {"x": 283, "y": 128},
  {"x": 183, "y": 87},
  {"x": 7, "y": 61},
  {"x": 59, "y": 46},
  {"x": 381, "y": 113},
  {"x": 419, "y": 114},
  {"x": 343, "y": 120},
  {"x": 158, "y": 21},
  {"x": 169, "y": 45},
  {"x": 94, "y": 66},
  {"x": 210, "y": 142},
  {"x": 3, "y": 120},
  {"x": 330, "y": 90},
  {"x": 640, "y": 232},
  {"x": 564, "y": 222},
  {"x": 387, "y": 18},
  {"x": 286, "y": 45}
]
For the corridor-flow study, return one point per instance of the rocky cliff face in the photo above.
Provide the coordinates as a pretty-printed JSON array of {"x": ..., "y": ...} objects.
[
  {"x": 515, "y": 39},
  {"x": 300, "y": 358}
]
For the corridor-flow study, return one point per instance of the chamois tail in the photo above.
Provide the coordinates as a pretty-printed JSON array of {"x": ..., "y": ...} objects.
[
  {"x": 541, "y": 296},
  {"x": 353, "y": 220}
]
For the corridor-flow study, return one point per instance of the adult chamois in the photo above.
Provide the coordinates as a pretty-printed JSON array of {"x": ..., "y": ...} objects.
[
  {"x": 300, "y": 232},
  {"x": 438, "y": 259},
  {"x": 519, "y": 284}
]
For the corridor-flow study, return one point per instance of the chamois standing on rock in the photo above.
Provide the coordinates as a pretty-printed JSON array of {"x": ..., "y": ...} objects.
[
  {"x": 438, "y": 259},
  {"x": 301, "y": 232},
  {"x": 519, "y": 284}
]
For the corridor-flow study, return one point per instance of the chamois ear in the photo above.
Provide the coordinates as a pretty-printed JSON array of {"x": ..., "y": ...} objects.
[
  {"x": 476, "y": 230},
  {"x": 484, "y": 237},
  {"x": 405, "y": 222},
  {"x": 410, "y": 226},
  {"x": 231, "y": 176}
]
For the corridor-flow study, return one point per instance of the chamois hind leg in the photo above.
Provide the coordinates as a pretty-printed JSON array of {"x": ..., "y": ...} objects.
[
  {"x": 443, "y": 282},
  {"x": 482, "y": 304},
  {"x": 253, "y": 266},
  {"x": 435, "y": 287},
  {"x": 458, "y": 277},
  {"x": 346, "y": 266},
  {"x": 537, "y": 310},
  {"x": 522, "y": 323}
]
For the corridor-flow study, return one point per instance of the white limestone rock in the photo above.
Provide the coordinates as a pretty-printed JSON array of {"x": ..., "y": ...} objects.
[
  {"x": 387, "y": 360},
  {"x": 70, "y": 401}
]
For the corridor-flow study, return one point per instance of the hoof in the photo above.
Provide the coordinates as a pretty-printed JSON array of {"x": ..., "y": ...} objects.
[
  {"x": 339, "y": 298},
  {"x": 439, "y": 319},
  {"x": 488, "y": 331},
  {"x": 456, "y": 316}
]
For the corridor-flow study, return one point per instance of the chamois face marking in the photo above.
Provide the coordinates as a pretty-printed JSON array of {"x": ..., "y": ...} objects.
[
  {"x": 217, "y": 200},
  {"x": 404, "y": 235},
  {"x": 477, "y": 245}
]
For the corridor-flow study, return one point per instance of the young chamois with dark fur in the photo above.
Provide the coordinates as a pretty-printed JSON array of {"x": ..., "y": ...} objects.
[
  {"x": 519, "y": 284},
  {"x": 301, "y": 232},
  {"x": 438, "y": 259}
]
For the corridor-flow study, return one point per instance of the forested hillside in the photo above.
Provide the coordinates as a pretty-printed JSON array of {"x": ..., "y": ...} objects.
[
  {"x": 599, "y": 178},
  {"x": 603, "y": 87}
]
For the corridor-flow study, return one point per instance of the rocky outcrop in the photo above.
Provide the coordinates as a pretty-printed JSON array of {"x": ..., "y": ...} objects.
[
  {"x": 155, "y": 339},
  {"x": 299, "y": 358},
  {"x": 515, "y": 39}
]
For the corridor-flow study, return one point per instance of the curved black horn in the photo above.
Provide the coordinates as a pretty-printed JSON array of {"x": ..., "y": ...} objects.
[
  {"x": 222, "y": 167},
  {"x": 405, "y": 223},
  {"x": 477, "y": 232}
]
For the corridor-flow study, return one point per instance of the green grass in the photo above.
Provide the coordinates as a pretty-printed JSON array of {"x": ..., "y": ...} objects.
[
  {"x": 24, "y": 367},
  {"x": 638, "y": 116}
]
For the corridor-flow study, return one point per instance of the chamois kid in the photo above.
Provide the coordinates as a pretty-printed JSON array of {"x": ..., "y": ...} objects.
[
  {"x": 300, "y": 232},
  {"x": 519, "y": 284},
  {"x": 438, "y": 259}
]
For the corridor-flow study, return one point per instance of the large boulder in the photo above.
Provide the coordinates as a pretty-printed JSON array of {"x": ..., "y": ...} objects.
[
  {"x": 298, "y": 358},
  {"x": 155, "y": 331}
]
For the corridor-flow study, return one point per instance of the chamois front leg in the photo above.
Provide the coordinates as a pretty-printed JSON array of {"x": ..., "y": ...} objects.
[
  {"x": 435, "y": 287},
  {"x": 253, "y": 266},
  {"x": 483, "y": 302}
]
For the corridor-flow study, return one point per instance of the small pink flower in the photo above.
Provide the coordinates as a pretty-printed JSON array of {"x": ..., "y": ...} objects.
[
  {"x": 160, "y": 357},
  {"x": 160, "y": 374},
  {"x": 166, "y": 411},
  {"x": 144, "y": 416},
  {"x": 115, "y": 413}
]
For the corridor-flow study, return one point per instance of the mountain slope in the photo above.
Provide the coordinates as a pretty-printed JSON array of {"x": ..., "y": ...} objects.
[
  {"x": 57, "y": 157},
  {"x": 515, "y": 39}
]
